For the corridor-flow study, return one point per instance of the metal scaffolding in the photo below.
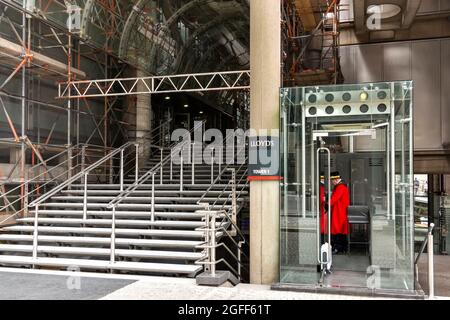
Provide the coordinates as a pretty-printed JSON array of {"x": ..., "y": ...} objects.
[{"x": 49, "y": 42}]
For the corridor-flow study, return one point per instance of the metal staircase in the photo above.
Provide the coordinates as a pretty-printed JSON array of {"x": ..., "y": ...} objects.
[{"x": 154, "y": 220}]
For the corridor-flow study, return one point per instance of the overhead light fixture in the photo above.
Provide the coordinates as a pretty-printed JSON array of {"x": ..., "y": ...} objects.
[
  {"x": 384, "y": 11},
  {"x": 201, "y": 112},
  {"x": 186, "y": 106},
  {"x": 167, "y": 97},
  {"x": 364, "y": 96}
]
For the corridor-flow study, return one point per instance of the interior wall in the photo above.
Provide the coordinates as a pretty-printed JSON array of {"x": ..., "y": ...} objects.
[{"x": 427, "y": 63}]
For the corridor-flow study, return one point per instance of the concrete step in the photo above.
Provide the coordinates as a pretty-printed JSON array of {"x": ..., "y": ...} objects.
[
  {"x": 151, "y": 243},
  {"x": 160, "y": 268},
  {"x": 107, "y": 231},
  {"x": 122, "y": 214},
  {"x": 148, "y": 185},
  {"x": 88, "y": 251},
  {"x": 108, "y": 222},
  {"x": 147, "y": 199},
  {"x": 131, "y": 206},
  {"x": 147, "y": 192}
]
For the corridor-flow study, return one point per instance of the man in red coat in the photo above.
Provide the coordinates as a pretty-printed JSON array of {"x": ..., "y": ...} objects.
[{"x": 340, "y": 201}]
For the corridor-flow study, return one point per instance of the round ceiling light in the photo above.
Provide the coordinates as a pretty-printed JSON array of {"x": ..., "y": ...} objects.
[
  {"x": 364, "y": 96},
  {"x": 384, "y": 11}
]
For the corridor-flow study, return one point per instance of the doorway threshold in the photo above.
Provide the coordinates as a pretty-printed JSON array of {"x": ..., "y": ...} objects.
[{"x": 352, "y": 291}]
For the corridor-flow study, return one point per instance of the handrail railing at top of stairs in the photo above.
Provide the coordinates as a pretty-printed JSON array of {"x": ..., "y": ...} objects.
[
  {"x": 175, "y": 147},
  {"x": 79, "y": 175},
  {"x": 40, "y": 180}
]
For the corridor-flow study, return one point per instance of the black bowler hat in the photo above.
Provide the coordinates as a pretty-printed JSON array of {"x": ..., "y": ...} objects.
[{"x": 335, "y": 175}]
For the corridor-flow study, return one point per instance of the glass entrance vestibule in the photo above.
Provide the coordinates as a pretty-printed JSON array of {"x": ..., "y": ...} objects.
[{"x": 362, "y": 137}]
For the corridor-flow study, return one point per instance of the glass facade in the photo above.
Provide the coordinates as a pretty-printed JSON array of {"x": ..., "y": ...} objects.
[{"x": 364, "y": 132}]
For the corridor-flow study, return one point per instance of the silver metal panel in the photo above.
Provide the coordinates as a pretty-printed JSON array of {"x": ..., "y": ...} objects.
[
  {"x": 348, "y": 63},
  {"x": 445, "y": 87},
  {"x": 397, "y": 61},
  {"x": 430, "y": 5},
  {"x": 445, "y": 5},
  {"x": 426, "y": 77},
  {"x": 369, "y": 63}
]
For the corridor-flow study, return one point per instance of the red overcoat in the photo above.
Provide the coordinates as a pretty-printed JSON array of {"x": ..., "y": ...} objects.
[
  {"x": 323, "y": 215},
  {"x": 340, "y": 201}
]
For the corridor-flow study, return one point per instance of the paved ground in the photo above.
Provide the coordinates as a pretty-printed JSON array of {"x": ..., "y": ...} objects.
[
  {"x": 54, "y": 285},
  {"x": 441, "y": 274},
  {"x": 162, "y": 289},
  {"x": 30, "y": 286}
]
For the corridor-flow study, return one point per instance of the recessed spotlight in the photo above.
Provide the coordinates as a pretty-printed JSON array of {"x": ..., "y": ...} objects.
[
  {"x": 364, "y": 96},
  {"x": 201, "y": 112},
  {"x": 186, "y": 106},
  {"x": 167, "y": 98}
]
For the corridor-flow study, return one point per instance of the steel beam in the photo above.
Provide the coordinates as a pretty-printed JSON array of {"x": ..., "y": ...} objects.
[{"x": 213, "y": 81}]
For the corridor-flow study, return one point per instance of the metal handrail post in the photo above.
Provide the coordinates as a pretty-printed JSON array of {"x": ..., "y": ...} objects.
[
  {"x": 121, "y": 170},
  {"x": 431, "y": 263},
  {"x": 162, "y": 167},
  {"x": 35, "y": 232},
  {"x": 234, "y": 198},
  {"x": 83, "y": 158},
  {"x": 171, "y": 166},
  {"x": 213, "y": 244},
  {"x": 220, "y": 162},
  {"x": 193, "y": 162},
  {"x": 113, "y": 236},
  {"x": 181, "y": 170},
  {"x": 137, "y": 163},
  {"x": 239, "y": 249},
  {"x": 26, "y": 191},
  {"x": 207, "y": 241},
  {"x": 111, "y": 171},
  {"x": 69, "y": 166},
  {"x": 85, "y": 197},
  {"x": 153, "y": 197},
  {"x": 212, "y": 165}
]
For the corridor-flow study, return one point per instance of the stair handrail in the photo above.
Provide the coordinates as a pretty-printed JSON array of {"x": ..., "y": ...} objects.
[
  {"x": 211, "y": 229},
  {"x": 175, "y": 147},
  {"x": 36, "y": 180},
  {"x": 79, "y": 175}
]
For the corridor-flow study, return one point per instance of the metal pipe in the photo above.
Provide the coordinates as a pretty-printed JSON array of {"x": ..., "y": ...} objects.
[
  {"x": 113, "y": 237},
  {"x": 69, "y": 166},
  {"x": 171, "y": 165},
  {"x": 193, "y": 163},
  {"x": 181, "y": 171},
  {"x": 111, "y": 171},
  {"x": 212, "y": 165},
  {"x": 85, "y": 197},
  {"x": 213, "y": 244},
  {"x": 162, "y": 167},
  {"x": 121, "y": 170},
  {"x": 137, "y": 163},
  {"x": 431, "y": 263},
  {"x": 35, "y": 233},
  {"x": 83, "y": 158},
  {"x": 153, "y": 197},
  {"x": 234, "y": 199}
]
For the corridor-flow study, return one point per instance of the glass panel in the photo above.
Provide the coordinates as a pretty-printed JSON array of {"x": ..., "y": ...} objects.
[{"x": 368, "y": 130}]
